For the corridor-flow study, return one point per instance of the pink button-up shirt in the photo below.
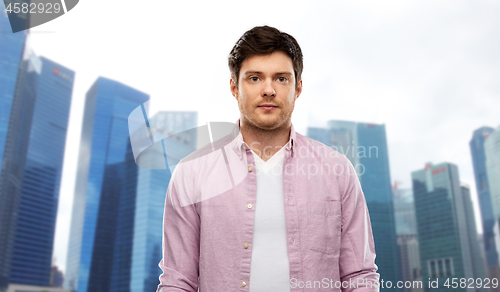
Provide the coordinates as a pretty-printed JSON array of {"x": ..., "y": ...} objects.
[{"x": 210, "y": 209}]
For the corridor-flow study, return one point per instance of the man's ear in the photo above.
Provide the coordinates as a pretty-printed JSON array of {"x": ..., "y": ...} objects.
[
  {"x": 233, "y": 87},
  {"x": 298, "y": 91}
]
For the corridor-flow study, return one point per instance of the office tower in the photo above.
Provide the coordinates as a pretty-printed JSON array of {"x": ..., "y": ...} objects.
[
  {"x": 103, "y": 178},
  {"x": 33, "y": 134},
  {"x": 406, "y": 231},
  {"x": 11, "y": 55},
  {"x": 492, "y": 155},
  {"x": 483, "y": 192},
  {"x": 478, "y": 263},
  {"x": 444, "y": 226},
  {"x": 492, "y": 151},
  {"x": 166, "y": 124},
  {"x": 151, "y": 190},
  {"x": 365, "y": 145},
  {"x": 39, "y": 196}
]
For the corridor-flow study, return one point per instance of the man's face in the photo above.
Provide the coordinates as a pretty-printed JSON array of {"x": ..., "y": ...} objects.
[{"x": 266, "y": 91}]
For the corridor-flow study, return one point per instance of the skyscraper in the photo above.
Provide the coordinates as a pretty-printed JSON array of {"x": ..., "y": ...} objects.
[
  {"x": 35, "y": 95},
  {"x": 151, "y": 191},
  {"x": 492, "y": 151},
  {"x": 39, "y": 196},
  {"x": 483, "y": 192},
  {"x": 11, "y": 55},
  {"x": 365, "y": 145},
  {"x": 492, "y": 155},
  {"x": 444, "y": 226},
  {"x": 478, "y": 263},
  {"x": 103, "y": 185},
  {"x": 406, "y": 230}
]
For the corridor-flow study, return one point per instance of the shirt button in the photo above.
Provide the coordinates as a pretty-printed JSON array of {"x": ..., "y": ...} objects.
[
  {"x": 293, "y": 149},
  {"x": 239, "y": 153},
  {"x": 249, "y": 206},
  {"x": 245, "y": 245},
  {"x": 250, "y": 168},
  {"x": 243, "y": 284},
  {"x": 246, "y": 148}
]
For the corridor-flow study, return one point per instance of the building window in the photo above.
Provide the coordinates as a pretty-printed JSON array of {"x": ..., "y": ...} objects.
[
  {"x": 433, "y": 269},
  {"x": 440, "y": 267}
]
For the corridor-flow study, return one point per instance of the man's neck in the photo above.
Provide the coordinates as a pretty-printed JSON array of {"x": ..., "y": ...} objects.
[{"x": 265, "y": 143}]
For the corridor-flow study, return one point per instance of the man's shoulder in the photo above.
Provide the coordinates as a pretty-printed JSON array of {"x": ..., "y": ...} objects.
[
  {"x": 204, "y": 162},
  {"x": 204, "y": 172}
]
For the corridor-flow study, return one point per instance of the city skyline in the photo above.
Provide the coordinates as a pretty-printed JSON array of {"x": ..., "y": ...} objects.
[
  {"x": 447, "y": 237},
  {"x": 420, "y": 129},
  {"x": 149, "y": 206},
  {"x": 35, "y": 95},
  {"x": 479, "y": 159},
  {"x": 107, "y": 176},
  {"x": 365, "y": 145}
]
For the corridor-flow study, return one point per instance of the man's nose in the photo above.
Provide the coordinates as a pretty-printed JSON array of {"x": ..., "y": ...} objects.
[{"x": 268, "y": 89}]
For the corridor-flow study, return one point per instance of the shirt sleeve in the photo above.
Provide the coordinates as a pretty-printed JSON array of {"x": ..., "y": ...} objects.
[
  {"x": 357, "y": 251},
  {"x": 180, "y": 245}
]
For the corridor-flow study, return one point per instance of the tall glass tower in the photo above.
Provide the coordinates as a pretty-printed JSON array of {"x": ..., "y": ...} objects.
[
  {"x": 483, "y": 192},
  {"x": 365, "y": 145},
  {"x": 478, "y": 262},
  {"x": 444, "y": 220},
  {"x": 102, "y": 183},
  {"x": 492, "y": 151},
  {"x": 151, "y": 191},
  {"x": 39, "y": 193},
  {"x": 11, "y": 55},
  {"x": 35, "y": 97},
  {"x": 406, "y": 230},
  {"x": 492, "y": 155}
]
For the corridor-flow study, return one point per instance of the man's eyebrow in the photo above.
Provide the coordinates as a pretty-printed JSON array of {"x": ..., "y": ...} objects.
[
  {"x": 252, "y": 72},
  {"x": 259, "y": 72}
]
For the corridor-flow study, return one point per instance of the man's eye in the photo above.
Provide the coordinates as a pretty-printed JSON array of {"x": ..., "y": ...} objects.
[
  {"x": 282, "y": 79},
  {"x": 254, "y": 79}
]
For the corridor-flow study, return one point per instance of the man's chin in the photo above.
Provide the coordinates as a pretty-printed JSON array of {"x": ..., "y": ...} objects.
[{"x": 268, "y": 125}]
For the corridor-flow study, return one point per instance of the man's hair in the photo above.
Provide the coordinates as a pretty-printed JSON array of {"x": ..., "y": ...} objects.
[{"x": 264, "y": 40}]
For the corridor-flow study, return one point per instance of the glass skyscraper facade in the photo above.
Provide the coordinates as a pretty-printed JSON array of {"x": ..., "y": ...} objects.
[
  {"x": 39, "y": 196},
  {"x": 365, "y": 145},
  {"x": 446, "y": 238},
  {"x": 407, "y": 236},
  {"x": 169, "y": 123},
  {"x": 35, "y": 97},
  {"x": 404, "y": 210},
  {"x": 492, "y": 153},
  {"x": 483, "y": 192},
  {"x": 151, "y": 191},
  {"x": 105, "y": 184},
  {"x": 11, "y": 55},
  {"x": 478, "y": 262}
]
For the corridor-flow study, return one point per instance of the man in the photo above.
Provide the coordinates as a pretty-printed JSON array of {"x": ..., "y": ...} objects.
[{"x": 273, "y": 210}]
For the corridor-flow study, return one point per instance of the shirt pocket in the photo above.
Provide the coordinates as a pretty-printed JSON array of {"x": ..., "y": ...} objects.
[{"x": 323, "y": 224}]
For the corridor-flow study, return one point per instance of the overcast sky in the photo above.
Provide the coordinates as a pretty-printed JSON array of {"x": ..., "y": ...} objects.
[{"x": 428, "y": 70}]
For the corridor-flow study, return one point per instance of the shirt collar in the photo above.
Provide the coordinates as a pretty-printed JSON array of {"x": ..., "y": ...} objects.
[{"x": 239, "y": 145}]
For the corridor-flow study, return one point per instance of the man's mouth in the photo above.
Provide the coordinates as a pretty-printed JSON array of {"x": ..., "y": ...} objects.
[{"x": 267, "y": 106}]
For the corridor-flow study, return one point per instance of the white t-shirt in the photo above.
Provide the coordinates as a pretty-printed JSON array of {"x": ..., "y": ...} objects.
[{"x": 270, "y": 270}]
